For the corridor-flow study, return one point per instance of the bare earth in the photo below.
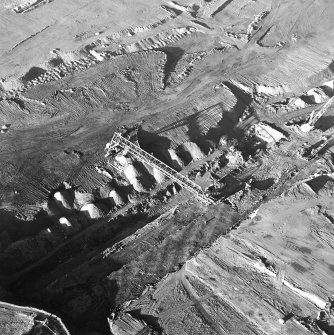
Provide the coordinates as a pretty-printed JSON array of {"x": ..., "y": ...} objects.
[{"x": 237, "y": 96}]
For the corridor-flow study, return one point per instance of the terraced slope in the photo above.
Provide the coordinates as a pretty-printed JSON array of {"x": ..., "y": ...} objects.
[{"x": 218, "y": 90}]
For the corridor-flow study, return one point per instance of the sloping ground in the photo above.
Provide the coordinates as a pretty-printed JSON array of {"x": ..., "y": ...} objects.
[
  {"x": 31, "y": 36},
  {"x": 101, "y": 277},
  {"x": 271, "y": 276},
  {"x": 215, "y": 86},
  {"x": 89, "y": 107},
  {"x": 300, "y": 59}
]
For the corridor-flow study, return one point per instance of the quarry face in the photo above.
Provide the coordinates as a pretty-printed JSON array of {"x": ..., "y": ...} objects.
[{"x": 166, "y": 167}]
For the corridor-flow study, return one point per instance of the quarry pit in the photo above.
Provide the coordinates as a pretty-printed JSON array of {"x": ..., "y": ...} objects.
[{"x": 166, "y": 167}]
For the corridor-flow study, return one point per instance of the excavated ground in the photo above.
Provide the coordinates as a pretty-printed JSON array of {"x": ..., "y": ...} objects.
[{"x": 218, "y": 91}]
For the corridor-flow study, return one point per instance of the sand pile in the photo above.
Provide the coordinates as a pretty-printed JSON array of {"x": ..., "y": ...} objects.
[
  {"x": 172, "y": 189},
  {"x": 173, "y": 159},
  {"x": 113, "y": 194},
  {"x": 65, "y": 222},
  {"x": 116, "y": 198},
  {"x": 92, "y": 211},
  {"x": 68, "y": 226},
  {"x": 269, "y": 90},
  {"x": 193, "y": 150},
  {"x": 122, "y": 159},
  {"x": 63, "y": 199},
  {"x": 299, "y": 103},
  {"x": 135, "y": 177},
  {"x": 82, "y": 199},
  {"x": 158, "y": 176},
  {"x": 135, "y": 173},
  {"x": 328, "y": 87},
  {"x": 97, "y": 55},
  {"x": 316, "y": 95}
]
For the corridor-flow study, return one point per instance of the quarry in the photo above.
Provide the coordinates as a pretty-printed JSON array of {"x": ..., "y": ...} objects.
[{"x": 167, "y": 167}]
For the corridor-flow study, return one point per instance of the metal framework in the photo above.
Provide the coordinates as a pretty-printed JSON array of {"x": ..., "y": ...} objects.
[
  {"x": 316, "y": 116},
  {"x": 142, "y": 155}
]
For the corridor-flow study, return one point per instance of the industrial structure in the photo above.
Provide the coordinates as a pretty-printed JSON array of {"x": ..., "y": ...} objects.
[
  {"x": 315, "y": 116},
  {"x": 119, "y": 141}
]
